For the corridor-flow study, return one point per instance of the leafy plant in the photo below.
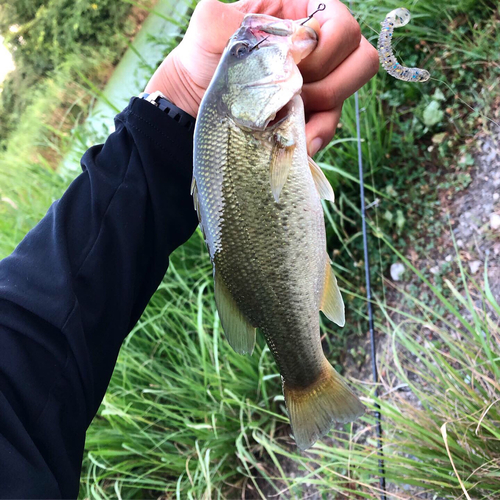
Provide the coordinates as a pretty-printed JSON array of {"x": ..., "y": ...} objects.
[{"x": 50, "y": 33}]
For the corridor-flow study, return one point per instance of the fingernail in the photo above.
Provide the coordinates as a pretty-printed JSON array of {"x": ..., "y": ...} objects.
[{"x": 315, "y": 146}]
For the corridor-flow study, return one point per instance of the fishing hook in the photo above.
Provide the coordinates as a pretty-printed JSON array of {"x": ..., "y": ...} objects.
[
  {"x": 258, "y": 43},
  {"x": 321, "y": 7}
]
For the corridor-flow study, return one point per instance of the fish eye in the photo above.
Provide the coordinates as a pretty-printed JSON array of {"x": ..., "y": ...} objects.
[{"x": 240, "y": 50}]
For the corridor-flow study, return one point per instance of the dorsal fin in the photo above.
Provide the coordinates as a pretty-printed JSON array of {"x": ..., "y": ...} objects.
[{"x": 322, "y": 185}]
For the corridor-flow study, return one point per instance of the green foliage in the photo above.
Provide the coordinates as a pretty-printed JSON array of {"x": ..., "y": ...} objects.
[
  {"x": 50, "y": 30},
  {"x": 49, "y": 33},
  {"x": 433, "y": 114},
  {"x": 412, "y": 136},
  {"x": 27, "y": 189},
  {"x": 190, "y": 400}
]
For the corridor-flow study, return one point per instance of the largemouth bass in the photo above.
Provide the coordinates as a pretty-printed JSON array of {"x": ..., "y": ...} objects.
[{"x": 258, "y": 198}]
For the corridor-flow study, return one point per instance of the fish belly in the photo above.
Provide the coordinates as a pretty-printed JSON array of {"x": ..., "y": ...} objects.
[{"x": 271, "y": 256}]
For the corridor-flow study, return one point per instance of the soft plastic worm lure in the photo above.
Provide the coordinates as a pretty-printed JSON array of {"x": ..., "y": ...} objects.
[{"x": 395, "y": 19}]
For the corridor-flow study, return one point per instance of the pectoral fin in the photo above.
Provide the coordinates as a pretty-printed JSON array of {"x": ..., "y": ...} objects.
[
  {"x": 322, "y": 185},
  {"x": 331, "y": 302},
  {"x": 196, "y": 203},
  {"x": 281, "y": 161},
  {"x": 239, "y": 332}
]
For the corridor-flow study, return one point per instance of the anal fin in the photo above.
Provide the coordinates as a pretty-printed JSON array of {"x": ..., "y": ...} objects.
[
  {"x": 315, "y": 408},
  {"x": 239, "y": 332},
  {"x": 331, "y": 301}
]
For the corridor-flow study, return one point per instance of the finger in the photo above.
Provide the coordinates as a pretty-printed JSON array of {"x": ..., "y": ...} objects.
[
  {"x": 341, "y": 83},
  {"x": 340, "y": 36},
  {"x": 218, "y": 22},
  {"x": 285, "y": 9},
  {"x": 269, "y": 7},
  {"x": 320, "y": 129}
]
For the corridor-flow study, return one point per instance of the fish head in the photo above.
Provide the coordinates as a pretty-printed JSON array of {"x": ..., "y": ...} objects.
[{"x": 258, "y": 74}]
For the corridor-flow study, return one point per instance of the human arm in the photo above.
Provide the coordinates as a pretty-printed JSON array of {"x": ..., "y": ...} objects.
[{"x": 74, "y": 288}]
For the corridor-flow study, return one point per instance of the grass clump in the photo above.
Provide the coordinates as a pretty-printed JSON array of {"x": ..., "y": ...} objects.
[
  {"x": 44, "y": 34},
  {"x": 450, "y": 363},
  {"x": 187, "y": 417}
]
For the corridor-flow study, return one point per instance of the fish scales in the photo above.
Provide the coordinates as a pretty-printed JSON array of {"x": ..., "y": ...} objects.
[
  {"x": 257, "y": 195},
  {"x": 266, "y": 252}
]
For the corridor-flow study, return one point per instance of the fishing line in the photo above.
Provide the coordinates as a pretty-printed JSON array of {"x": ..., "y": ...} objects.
[
  {"x": 395, "y": 19},
  {"x": 378, "y": 416},
  {"x": 455, "y": 94}
]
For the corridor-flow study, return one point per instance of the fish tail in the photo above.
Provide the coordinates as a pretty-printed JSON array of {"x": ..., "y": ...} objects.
[{"x": 315, "y": 408}]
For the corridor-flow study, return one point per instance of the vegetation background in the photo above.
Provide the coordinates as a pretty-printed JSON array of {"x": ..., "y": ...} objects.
[{"x": 184, "y": 416}]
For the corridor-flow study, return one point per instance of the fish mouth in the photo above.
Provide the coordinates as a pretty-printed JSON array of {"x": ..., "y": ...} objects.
[
  {"x": 284, "y": 43},
  {"x": 303, "y": 38}
]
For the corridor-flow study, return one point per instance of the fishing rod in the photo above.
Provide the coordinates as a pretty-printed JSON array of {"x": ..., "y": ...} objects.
[
  {"x": 373, "y": 346},
  {"x": 373, "y": 349},
  {"x": 395, "y": 19}
]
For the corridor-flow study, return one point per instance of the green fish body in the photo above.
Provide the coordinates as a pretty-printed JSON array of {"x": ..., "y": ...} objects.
[{"x": 258, "y": 197}]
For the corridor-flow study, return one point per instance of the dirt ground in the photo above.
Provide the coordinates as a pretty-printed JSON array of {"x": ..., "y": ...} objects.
[{"x": 476, "y": 214}]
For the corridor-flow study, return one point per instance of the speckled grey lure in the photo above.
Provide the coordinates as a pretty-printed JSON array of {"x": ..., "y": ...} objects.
[{"x": 395, "y": 19}]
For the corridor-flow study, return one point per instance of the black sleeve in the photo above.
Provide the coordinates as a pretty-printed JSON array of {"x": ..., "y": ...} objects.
[{"x": 74, "y": 288}]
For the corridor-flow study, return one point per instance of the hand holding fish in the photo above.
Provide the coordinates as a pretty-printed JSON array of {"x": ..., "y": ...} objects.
[{"x": 342, "y": 62}]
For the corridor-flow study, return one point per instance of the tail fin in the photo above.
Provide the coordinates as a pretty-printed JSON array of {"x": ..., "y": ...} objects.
[{"x": 314, "y": 409}]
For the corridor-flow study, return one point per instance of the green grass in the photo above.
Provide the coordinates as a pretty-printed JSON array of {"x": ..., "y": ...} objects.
[
  {"x": 186, "y": 417},
  {"x": 188, "y": 400}
]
